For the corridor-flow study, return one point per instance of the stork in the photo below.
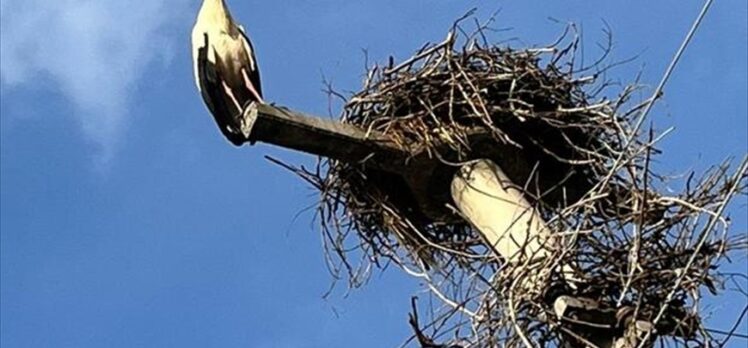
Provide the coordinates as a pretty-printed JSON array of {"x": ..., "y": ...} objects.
[{"x": 226, "y": 71}]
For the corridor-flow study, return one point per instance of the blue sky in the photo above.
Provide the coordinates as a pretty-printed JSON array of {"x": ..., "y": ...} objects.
[{"x": 127, "y": 220}]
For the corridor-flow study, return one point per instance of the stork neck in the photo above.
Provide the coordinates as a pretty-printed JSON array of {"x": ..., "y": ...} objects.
[
  {"x": 216, "y": 10},
  {"x": 215, "y": 3}
]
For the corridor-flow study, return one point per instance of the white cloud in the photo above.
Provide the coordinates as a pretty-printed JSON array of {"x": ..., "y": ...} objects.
[{"x": 95, "y": 51}]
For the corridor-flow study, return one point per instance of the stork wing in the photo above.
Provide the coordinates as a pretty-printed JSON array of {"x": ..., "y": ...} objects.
[
  {"x": 254, "y": 69},
  {"x": 210, "y": 84}
]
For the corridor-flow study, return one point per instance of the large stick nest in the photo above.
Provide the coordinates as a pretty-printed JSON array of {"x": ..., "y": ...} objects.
[{"x": 584, "y": 162}]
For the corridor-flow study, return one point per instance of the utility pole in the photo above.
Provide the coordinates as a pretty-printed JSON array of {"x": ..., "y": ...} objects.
[{"x": 484, "y": 193}]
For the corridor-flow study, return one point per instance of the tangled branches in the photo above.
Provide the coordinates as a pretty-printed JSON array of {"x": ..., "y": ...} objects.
[{"x": 582, "y": 162}]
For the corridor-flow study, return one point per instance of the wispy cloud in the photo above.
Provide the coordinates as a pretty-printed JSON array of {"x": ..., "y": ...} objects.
[{"x": 94, "y": 50}]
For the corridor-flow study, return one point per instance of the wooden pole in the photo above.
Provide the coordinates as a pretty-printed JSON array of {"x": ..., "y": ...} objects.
[
  {"x": 484, "y": 194},
  {"x": 319, "y": 136}
]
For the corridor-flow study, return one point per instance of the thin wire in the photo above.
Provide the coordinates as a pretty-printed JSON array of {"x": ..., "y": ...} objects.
[
  {"x": 654, "y": 97},
  {"x": 734, "y": 328},
  {"x": 725, "y": 333},
  {"x": 670, "y": 68}
]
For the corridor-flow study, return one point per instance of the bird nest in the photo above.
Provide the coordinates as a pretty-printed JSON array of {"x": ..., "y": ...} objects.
[{"x": 584, "y": 161}]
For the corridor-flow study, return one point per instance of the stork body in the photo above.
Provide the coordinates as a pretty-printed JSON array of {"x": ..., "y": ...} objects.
[{"x": 226, "y": 71}]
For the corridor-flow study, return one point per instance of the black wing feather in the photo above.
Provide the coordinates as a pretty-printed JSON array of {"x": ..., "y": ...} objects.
[{"x": 212, "y": 92}]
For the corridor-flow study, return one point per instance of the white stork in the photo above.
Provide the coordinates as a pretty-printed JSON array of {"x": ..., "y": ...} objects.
[{"x": 226, "y": 71}]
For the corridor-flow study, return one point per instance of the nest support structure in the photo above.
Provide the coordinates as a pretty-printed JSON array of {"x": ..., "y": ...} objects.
[{"x": 583, "y": 161}]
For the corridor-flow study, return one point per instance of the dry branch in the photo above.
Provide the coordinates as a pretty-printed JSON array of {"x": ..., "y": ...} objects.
[{"x": 583, "y": 162}]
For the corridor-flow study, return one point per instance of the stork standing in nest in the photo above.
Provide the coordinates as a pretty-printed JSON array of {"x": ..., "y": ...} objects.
[{"x": 226, "y": 71}]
